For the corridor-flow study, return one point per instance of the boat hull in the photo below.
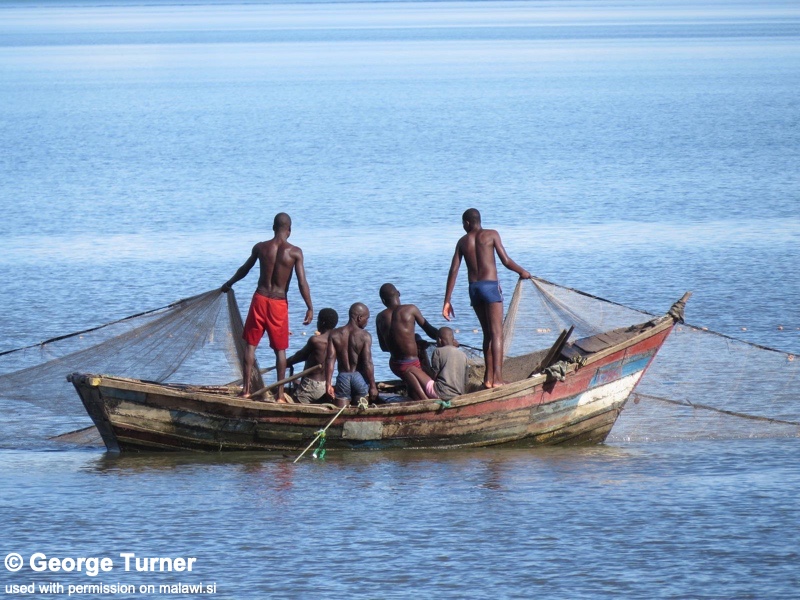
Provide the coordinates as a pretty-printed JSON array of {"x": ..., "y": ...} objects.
[{"x": 133, "y": 415}]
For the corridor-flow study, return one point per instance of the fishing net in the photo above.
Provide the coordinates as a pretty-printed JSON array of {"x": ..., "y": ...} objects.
[
  {"x": 192, "y": 340},
  {"x": 702, "y": 384}
]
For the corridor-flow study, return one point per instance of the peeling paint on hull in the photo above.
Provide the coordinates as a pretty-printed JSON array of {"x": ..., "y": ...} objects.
[{"x": 135, "y": 415}]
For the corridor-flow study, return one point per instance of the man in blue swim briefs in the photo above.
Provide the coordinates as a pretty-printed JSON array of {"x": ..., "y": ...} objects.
[
  {"x": 478, "y": 248},
  {"x": 350, "y": 348}
]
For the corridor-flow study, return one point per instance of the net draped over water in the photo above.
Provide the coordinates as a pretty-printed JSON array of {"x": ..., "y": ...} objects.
[
  {"x": 191, "y": 340},
  {"x": 701, "y": 384}
]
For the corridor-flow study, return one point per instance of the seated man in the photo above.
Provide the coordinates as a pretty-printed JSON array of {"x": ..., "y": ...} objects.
[
  {"x": 350, "y": 348},
  {"x": 312, "y": 386},
  {"x": 450, "y": 366},
  {"x": 395, "y": 326}
]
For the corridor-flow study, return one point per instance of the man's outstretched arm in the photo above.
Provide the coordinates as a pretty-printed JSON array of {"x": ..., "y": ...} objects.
[
  {"x": 242, "y": 272},
  {"x": 301, "y": 355},
  {"x": 506, "y": 259},
  {"x": 429, "y": 329}
]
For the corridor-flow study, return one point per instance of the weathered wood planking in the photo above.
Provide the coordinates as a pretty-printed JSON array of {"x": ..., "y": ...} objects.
[{"x": 136, "y": 415}]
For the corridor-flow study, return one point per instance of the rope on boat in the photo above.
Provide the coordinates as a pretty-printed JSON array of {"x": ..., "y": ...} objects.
[
  {"x": 790, "y": 356},
  {"x": 719, "y": 410},
  {"x": 122, "y": 320},
  {"x": 320, "y": 434}
]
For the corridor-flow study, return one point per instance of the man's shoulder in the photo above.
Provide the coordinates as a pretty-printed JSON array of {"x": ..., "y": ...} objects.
[
  {"x": 285, "y": 246},
  {"x": 319, "y": 340},
  {"x": 382, "y": 318}
]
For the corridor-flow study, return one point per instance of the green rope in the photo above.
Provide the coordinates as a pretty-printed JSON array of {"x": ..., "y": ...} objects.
[{"x": 444, "y": 403}]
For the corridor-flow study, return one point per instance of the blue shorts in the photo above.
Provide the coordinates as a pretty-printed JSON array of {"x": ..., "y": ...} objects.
[
  {"x": 485, "y": 292},
  {"x": 351, "y": 386}
]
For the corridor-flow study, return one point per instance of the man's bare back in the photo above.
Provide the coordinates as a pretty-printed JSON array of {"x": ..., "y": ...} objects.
[
  {"x": 277, "y": 259},
  {"x": 315, "y": 350},
  {"x": 349, "y": 347},
  {"x": 478, "y": 248},
  {"x": 396, "y": 327},
  {"x": 350, "y": 351},
  {"x": 318, "y": 345}
]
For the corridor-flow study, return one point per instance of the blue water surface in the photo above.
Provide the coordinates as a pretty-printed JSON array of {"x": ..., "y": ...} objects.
[{"x": 634, "y": 149}]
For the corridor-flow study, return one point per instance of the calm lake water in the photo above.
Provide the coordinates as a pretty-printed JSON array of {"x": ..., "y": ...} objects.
[{"x": 634, "y": 150}]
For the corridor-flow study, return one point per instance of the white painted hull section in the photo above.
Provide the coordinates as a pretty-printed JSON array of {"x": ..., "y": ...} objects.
[
  {"x": 605, "y": 397},
  {"x": 550, "y": 418}
]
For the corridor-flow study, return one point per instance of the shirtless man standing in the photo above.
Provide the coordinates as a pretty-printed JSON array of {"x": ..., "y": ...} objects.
[
  {"x": 478, "y": 248},
  {"x": 351, "y": 347},
  {"x": 312, "y": 386},
  {"x": 395, "y": 326},
  {"x": 269, "y": 310}
]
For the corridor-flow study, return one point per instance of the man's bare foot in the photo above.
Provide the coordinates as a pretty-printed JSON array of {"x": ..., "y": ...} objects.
[
  {"x": 244, "y": 395},
  {"x": 282, "y": 400}
]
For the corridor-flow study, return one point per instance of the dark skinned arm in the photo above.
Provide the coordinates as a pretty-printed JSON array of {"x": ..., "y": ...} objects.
[
  {"x": 301, "y": 355},
  {"x": 242, "y": 272},
  {"x": 506, "y": 259},
  {"x": 369, "y": 368},
  {"x": 330, "y": 363},
  {"x": 432, "y": 331},
  {"x": 381, "y": 338},
  {"x": 455, "y": 264},
  {"x": 305, "y": 292}
]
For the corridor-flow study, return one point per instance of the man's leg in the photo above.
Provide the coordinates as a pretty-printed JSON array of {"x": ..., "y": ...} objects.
[
  {"x": 425, "y": 382},
  {"x": 280, "y": 372},
  {"x": 247, "y": 370},
  {"x": 494, "y": 313},
  {"x": 488, "y": 373},
  {"x": 415, "y": 390}
]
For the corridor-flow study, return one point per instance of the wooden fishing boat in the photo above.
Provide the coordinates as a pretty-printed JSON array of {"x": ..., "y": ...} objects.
[{"x": 571, "y": 393}]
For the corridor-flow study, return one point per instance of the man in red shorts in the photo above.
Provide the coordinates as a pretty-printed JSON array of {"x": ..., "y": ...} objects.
[{"x": 269, "y": 310}]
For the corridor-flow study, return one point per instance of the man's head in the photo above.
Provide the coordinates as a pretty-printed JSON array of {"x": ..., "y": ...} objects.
[
  {"x": 389, "y": 294},
  {"x": 445, "y": 337},
  {"x": 470, "y": 219},
  {"x": 359, "y": 314},
  {"x": 327, "y": 320},
  {"x": 282, "y": 223}
]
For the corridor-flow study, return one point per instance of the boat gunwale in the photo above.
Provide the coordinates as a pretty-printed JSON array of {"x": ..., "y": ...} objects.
[{"x": 512, "y": 389}]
